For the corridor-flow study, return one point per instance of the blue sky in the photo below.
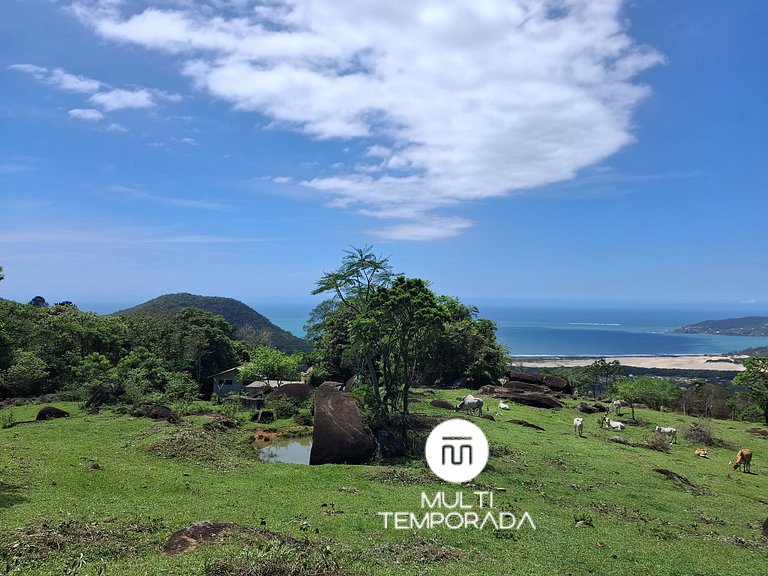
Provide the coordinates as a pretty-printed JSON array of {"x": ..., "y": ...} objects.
[{"x": 526, "y": 150}]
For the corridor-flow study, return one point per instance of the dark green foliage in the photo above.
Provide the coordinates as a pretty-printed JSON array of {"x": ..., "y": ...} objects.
[
  {"x": 755, "y": 378},
  {"x": 395, "y": 333},
  {"x": 747, "y": 326},
  {"x": 61, "y": 349},
  {"x": 243, "y": 319},
  {"x": 268, "y": 363}
]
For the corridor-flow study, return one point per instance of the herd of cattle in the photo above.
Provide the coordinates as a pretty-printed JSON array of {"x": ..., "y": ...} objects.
[{"x": 471, "y": 404}]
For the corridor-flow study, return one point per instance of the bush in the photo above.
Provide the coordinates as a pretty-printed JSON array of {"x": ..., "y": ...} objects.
[
  {"x": 701, "y": 433},
  {"x": 303, "y": 419},
  {"x": 7, "y": 420},
  {"x": 283, "y": 407},
  {"x": 656, "y": 441}
]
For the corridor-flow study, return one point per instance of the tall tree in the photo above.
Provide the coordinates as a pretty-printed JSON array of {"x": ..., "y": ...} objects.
[
  {"x": 755, "y": 378},
  {"x": 395, "y": 333},
  {"x": 352, "y": 287}
]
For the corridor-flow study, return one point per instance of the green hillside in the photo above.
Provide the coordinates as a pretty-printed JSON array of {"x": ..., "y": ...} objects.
[
  {"x": 243, "y": 318},
  {"x": 101, "y": 494},
  {"x": 747, "y": 326}
]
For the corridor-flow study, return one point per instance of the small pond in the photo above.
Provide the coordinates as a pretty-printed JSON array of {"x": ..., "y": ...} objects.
[{"x": 287, "y": 450}]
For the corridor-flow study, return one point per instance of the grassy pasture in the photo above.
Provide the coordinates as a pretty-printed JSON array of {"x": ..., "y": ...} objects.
[{"x": 102, "y": 494}]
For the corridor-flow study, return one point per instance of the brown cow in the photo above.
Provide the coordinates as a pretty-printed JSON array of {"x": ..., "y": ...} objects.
[{"x": 743, "y": 459}]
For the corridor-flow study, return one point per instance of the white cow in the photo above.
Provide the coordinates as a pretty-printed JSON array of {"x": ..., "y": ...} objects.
[
  {"x": 669, "y": 432},
  {"x": 612, "y": 424},
  {"x": 470, "y": 403},
  {"x": 617, "y": 405},
  {"x": 578, "y": 426},
  {"x": 502, "y": 406}
]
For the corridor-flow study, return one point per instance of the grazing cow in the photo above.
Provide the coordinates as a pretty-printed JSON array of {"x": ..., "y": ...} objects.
[
  {"x": 617, "y": 405},
  {"x": 743, "y": 459},
  {"x": 470, "y": 403},
  {"x": 701, "y": 452},
  {"x": 578, "y": 426},
  {"x": 669, "y": 432}
]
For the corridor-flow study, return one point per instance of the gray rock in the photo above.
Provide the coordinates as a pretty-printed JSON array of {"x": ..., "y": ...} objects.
[{"x": 339, "y": 435}]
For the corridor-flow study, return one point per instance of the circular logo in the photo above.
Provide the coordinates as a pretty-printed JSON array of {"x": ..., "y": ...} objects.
[{"x": 457, "y": 450}]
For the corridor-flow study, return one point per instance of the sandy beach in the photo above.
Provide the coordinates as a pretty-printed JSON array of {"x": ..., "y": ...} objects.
[{"x": 693, "y": 362}]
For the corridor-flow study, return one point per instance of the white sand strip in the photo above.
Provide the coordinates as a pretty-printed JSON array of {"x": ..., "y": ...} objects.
[{"x": 698, "y": 362}]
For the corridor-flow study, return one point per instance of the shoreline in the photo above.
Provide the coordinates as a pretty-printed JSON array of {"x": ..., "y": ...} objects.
[{"x": 714, "y": 362}]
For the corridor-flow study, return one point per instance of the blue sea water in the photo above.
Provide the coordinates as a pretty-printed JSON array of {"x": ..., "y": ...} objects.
[{"x": 583, "y": 331}]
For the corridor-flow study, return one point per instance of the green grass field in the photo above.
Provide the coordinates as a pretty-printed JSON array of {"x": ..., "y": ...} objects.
[{"x": 101, "y": 494}]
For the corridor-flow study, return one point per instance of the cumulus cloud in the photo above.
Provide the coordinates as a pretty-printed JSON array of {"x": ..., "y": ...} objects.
[
  {"x": 118, "y": 99},
  {"x": 88, "y": 114},
  {"x": 458, "y": 101}
]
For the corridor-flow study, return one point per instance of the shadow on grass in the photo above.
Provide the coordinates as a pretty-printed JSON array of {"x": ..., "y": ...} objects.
[{"x": 10, "y": 495}]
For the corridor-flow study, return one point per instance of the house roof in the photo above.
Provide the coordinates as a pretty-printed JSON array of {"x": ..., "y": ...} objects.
[
  {"x": 227, "y": 371},
  {"x": 270, "y": 383}
]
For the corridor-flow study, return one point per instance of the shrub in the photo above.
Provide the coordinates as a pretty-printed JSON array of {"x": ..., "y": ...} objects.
[
  {"x": 656, "y": 441},
  {"x": 303, "y": 419},
  {"x": 7, "y": 420},
  {"x": 282, "y": 407},
  {"x": 701, "y": 433}
]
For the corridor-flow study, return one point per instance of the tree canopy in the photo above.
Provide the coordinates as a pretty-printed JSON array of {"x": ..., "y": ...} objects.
[
  {"x": 755, "y": 378},
  {"x": 395, "y": 332}
]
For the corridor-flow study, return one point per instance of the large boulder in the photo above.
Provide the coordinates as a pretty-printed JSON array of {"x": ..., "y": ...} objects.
[
  {"x": 103, "y": 395},
  {"x": 296, "y": 392},
  {"x": 437, "y": 403},
  {"x": 527, "y": 387},
  {"x": 159, "y": 412},
  {"x": 535, "y": 400},
  {"x": 51, "y": 412},
  {"x": 554, "y": 383},
  {"x": 586, "y": 409},
  {"x": 339, "y": 435}
]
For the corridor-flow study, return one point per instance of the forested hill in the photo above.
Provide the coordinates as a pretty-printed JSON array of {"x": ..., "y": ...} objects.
[
  {"x": 747, "y": 326},
  {"x": 248, "y": 323}
]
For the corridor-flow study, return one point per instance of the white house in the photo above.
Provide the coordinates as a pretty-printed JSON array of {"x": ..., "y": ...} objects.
[{"x": 227, "y": 382}]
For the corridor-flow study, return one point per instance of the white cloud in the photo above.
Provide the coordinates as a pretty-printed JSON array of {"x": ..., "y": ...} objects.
[
  {"x": 59, "y": 78},
  {"x": 474, "y": 100},
  {"x": 119, "y": 99},
  {"x": 89, "y": 114}
]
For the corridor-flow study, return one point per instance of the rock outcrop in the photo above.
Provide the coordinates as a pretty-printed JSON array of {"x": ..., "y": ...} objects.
[
  {"x": 51, "y": 412},
  {"x": 339, "y": 437}
]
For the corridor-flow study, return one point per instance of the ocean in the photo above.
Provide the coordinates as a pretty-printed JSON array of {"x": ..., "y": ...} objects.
[{"x": 583, "y": 331}]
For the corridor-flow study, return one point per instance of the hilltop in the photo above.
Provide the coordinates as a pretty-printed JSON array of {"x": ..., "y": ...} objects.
[
  {"x": 242, "y": 317},
  {"x": 747, "y": 326},
  {"x": 110, "y": 505}
]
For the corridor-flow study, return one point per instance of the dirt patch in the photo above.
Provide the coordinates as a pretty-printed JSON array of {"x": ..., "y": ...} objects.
[
  {"x": 186, "y": 539},
  {"x": 209, "y": 448},
  {"x": 417, "y": 550},
  {"x": 400, "y": 476},
  {"x": 526, "y": 424},
  {"x": 759, "y": 432},
  {"x": 27, "y": 549},
  {"x": 680, "y": 480}
]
